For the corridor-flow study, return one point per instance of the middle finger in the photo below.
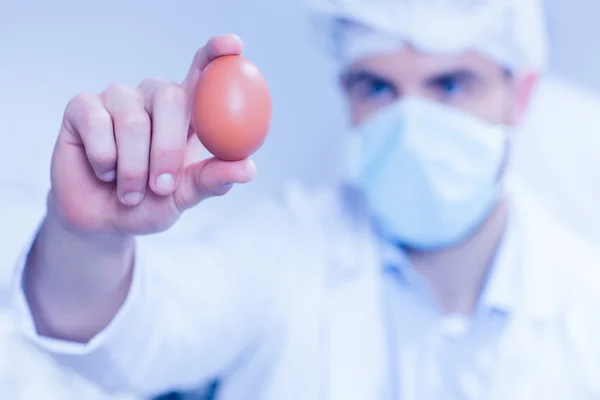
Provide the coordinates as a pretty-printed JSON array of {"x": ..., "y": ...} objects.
[{"x": 132, "y": 134}]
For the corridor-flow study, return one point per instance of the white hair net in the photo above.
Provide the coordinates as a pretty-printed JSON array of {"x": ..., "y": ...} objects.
[{"x": 511, "y": 32}]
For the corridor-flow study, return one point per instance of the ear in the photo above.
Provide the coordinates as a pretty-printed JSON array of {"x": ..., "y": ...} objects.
[{"x": 524, "y": 86}]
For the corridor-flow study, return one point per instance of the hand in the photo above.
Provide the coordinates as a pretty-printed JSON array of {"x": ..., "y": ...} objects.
[{"x": 127, "y": 161}]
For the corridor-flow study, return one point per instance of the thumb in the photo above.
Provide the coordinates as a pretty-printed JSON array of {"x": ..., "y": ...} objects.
[
  {"x": 209, "y": 178},
  {"x": 216, "y": 47}
]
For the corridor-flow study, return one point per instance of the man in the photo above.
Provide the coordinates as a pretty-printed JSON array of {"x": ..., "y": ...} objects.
[{"x": 430, "y": 275}]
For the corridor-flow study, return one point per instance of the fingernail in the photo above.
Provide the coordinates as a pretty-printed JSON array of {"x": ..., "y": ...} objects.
[
  {"x": 131, "y": 199},
  {"x": 108, "y": 176},
  {"x": 165, "y": 182},
  {"x": 250, "y": 167},
  {"x": 225, "y": 188},
  {"x": 233, "y": 36}
]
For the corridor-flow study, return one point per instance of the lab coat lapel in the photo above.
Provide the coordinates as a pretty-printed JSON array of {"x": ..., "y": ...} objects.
[
  {"x": 523, "y": 352},
  {"x": 529, "y": 353},
  {"x": 357, "y": 365}
]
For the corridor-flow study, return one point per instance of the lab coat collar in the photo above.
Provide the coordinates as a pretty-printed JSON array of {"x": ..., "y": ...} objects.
[
  {"x": 520, "y": 279},
  {"x": 498, "y": 293},
  {"x": 537, "y": 291},
  {"x": 506, "y": 271}
]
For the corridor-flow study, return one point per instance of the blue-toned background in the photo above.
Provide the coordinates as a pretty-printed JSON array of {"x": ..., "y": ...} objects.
[{"x": 51, "y": 50}]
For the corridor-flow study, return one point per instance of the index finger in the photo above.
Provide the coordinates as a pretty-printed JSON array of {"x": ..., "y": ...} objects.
[{"x": 216, "y": 47}]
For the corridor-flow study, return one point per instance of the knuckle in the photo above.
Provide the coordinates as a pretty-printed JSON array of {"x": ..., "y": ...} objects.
[
  {"x": 201, "y": 52},
  {"x": 92, "y": 119},
  {"x": 212, "y": 44},
  {"x": 172, "y": 156},
  {"x": 151, "y": 82},
  {"x": 136, "y": 122},
  {"x": 104, "y": 158},
  {"x": 119, "y": 96},
  {"x": 81, "y": 99},
  {"x": 172, "y": 96},
  {"x": 131, "y": 175},
  {"x": 118, "y": 89},
  {"x": 79, "y": 104}
]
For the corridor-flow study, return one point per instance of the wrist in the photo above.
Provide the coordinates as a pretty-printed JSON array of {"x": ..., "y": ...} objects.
[
  {"x": 57, "y": 225},
  {"x": 71, "y": 264},
  {"x": 58, "y": 229}
]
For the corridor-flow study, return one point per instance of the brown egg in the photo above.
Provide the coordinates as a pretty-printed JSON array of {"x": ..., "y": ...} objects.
[{"x": 232, "y": 108}]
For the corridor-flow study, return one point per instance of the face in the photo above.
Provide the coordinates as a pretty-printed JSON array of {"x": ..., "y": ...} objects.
[{"x": 467, "y": 81}]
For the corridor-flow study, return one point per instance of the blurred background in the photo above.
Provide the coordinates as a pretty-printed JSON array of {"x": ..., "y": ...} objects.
[{"x": 52, "y": 50}]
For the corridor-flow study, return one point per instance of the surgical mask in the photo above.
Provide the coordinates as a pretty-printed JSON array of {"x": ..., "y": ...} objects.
[{"x": 429, "y": 172}]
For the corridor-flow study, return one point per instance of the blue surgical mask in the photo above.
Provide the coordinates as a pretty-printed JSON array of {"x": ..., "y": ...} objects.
[{"x": 429, "y": 172}]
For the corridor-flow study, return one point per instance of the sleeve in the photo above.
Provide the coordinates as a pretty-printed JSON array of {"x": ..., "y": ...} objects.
[{"x": 193, "y": 307}]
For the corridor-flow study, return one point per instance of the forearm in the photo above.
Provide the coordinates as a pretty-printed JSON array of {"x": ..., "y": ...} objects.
[
  {"x": 188, "y": 299},
  {"x": 76, "y": 284}
]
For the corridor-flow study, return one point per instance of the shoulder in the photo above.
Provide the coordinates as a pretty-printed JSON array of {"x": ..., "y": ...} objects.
[
  {"x": 572, "y": 262},
  {"x": 546, "y": 234},
  {"x": 562, "y": 258},
  {"x": 574, "y": 256},
  {"x": 578, "y": 273},
  {"x": 572, "y": 265}
]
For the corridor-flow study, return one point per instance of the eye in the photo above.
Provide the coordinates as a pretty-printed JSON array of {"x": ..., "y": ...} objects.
[
  {"x": 368, "y": 88},
  {"x": 378, "y": 88},
  {"x": 451, "y": 87}
]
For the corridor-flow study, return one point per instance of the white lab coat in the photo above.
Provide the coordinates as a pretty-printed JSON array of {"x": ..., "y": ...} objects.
[
  {"x": 556, "y": 153},
  {"x": 287, "y": 305}
]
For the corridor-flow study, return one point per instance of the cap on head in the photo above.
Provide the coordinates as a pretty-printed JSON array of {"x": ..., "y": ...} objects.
[{"x": 511, "y": 32}]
